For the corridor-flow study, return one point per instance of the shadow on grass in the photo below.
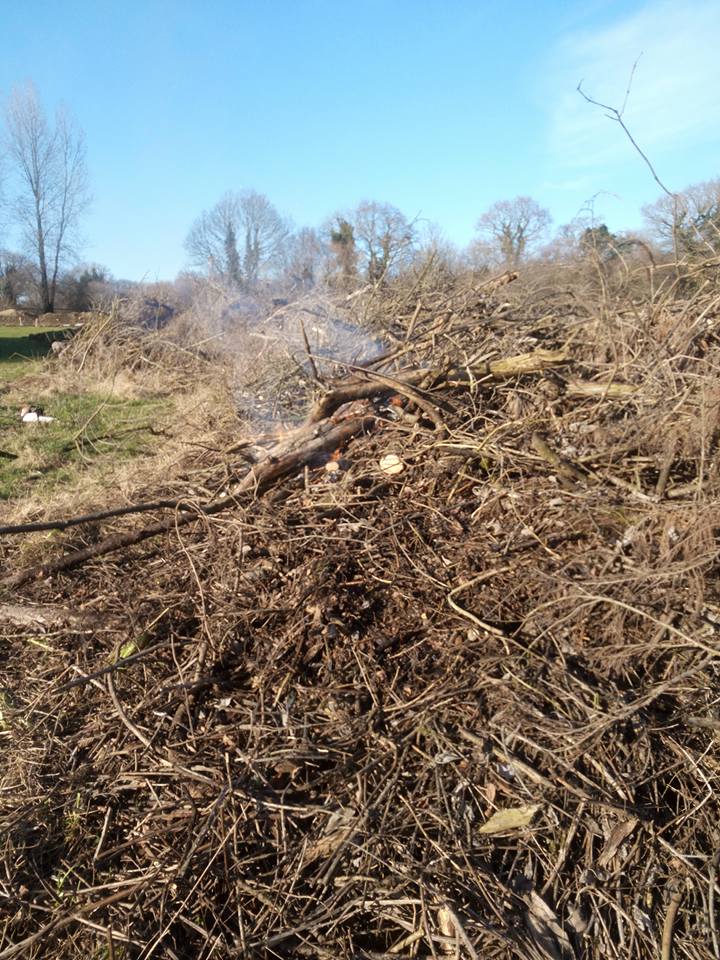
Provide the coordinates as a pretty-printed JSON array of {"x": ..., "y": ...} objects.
[{"x": 27, "y": 346}]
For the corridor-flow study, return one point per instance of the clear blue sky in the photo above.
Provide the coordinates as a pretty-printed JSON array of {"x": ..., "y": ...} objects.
[{"x": 440, "y": 108}]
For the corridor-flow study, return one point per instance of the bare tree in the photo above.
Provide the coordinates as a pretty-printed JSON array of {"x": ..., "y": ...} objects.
[
  {"x": 247, "y": 219},
  {"x": 511, "y": 227},
  {"x": 384, "y": 238},
  {"x": 435, "y": 261},
  {"x": 2, "y": 196},
  {"x": 688, "y": 221},
  {"x": 48, "y": 169},
  {"x": 306, "y": 259},
  {"x": 210, "y": 235},
  {"x": 482, "y": 256},
  {"x": 265, "y": 233}
]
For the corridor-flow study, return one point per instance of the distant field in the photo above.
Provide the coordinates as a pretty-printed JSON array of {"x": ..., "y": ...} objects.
[
  {"x": 23, "y": 333},
  {"x": 27, "y": 342}
]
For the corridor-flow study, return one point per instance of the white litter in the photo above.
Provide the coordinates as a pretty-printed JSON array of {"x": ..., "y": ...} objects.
[
  {"x": 34, "y": 415},
  {"x": 391, "y": 464}
]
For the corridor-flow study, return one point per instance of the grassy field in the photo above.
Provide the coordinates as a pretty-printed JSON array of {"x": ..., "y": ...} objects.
[
  {"x": 25, "y": 339},
  {"x": 20, "y": 344},
  {"x": 89, "y": 430}
]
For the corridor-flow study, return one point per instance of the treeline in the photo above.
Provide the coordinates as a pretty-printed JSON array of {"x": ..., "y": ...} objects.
[
  {"x": 244, "y": 240},
  {"x": 244, "y": 243}
]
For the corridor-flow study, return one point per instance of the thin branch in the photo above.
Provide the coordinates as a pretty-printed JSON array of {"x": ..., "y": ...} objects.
[
  {"x": 617, "y": 115},
  {"x": 37, "y": 525}
]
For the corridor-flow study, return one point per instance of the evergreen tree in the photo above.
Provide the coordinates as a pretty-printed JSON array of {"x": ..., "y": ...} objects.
[
  {"x": 232, "y": 257},
  {"x": 600, "y": 242},
  {"x": 342, "y": 238},
  {"x": 251, "y": 257}
]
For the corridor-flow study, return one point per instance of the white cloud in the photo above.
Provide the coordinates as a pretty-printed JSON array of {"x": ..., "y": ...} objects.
[{"x": 675, "y": 96}]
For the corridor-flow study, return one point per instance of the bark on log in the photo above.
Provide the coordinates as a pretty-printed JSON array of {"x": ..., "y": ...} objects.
[
  {"x": 44, "y": 617},
  {"x": 603, "y": 391}
]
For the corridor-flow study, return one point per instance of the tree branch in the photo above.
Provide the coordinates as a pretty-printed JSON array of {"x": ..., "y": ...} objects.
[{"x": 617, "y": 115}]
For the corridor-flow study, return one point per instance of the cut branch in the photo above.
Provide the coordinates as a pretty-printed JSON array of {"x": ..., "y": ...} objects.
[
  {"x": 361, "y": 387},
  {"x": 257, "y": 481},
  {"x": 38, "y": 525},
  {"x": 318, "y": 435}
]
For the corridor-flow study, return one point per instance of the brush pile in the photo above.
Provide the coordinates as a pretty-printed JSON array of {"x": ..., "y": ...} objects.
[
  {"x": 432, "y": 675},
  {"x": 124, "y": 342}
]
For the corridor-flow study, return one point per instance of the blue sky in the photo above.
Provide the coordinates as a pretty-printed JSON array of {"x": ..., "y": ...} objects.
[{"x": 440, "y": 108}]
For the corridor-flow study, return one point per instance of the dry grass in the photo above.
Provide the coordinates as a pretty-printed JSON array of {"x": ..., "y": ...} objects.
[
  {"x": 285, "y": 730},
  {"x": 129, "y": 406}
]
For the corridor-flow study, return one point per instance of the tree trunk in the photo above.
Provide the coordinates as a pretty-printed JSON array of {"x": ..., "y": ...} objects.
[{"x": 47, "y": 300}]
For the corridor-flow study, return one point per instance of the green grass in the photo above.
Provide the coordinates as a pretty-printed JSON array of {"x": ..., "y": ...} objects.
[
  {"x": 89, "y": 431},
  {"x": 13, "y": 330},
  {"x": 18, "y": 367},
  {"x": 27, "y": 342},
  {"x": 24, "y": 332},
  {"x": 22, "y": 349}
]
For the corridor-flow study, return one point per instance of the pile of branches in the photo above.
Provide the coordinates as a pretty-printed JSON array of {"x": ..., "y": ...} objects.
[
  {"x": 115, "y": 341},
  {"x": 432, "y": 674}
]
